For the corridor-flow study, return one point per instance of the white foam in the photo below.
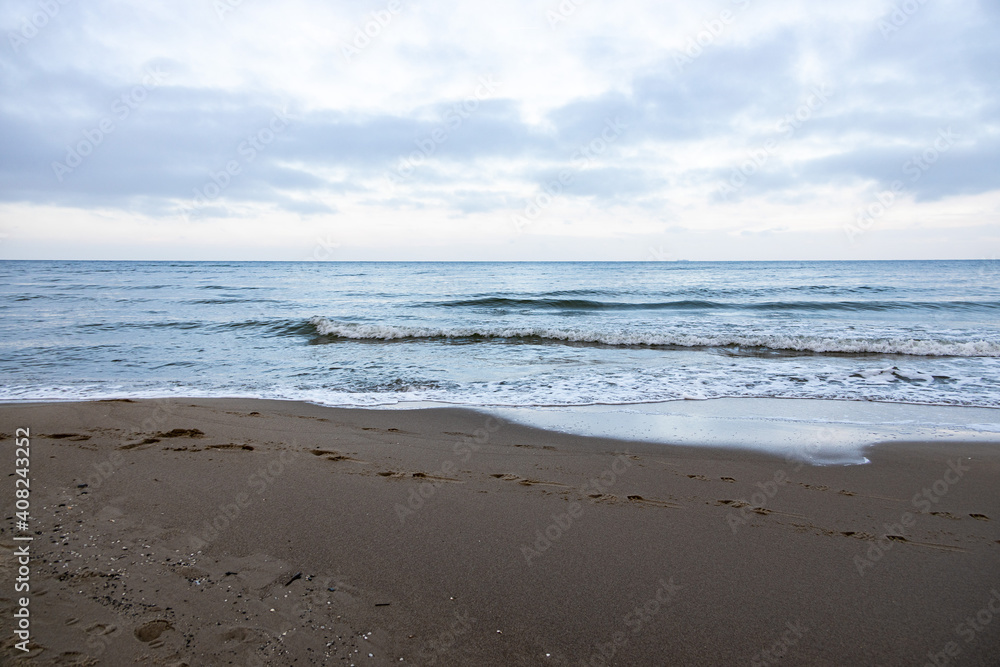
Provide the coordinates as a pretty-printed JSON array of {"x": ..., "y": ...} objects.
[
  {"x": 820, "y": 432},
  {"x": 783, "y": 342},
  {"x": 986, "y": 428}
]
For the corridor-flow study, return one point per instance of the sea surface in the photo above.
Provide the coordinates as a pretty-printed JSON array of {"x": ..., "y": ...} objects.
[{"x": 502, "y": 334}]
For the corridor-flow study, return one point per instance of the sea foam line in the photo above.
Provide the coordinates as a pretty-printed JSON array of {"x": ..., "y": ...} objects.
[{"x": 909, "y": 346}]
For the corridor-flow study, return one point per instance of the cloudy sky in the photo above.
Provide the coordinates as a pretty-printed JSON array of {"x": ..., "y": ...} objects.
[{"x": 406, "y": 129}]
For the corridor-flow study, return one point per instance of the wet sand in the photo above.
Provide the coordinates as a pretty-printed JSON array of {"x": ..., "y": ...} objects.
[{"x": 247, "y": 532}]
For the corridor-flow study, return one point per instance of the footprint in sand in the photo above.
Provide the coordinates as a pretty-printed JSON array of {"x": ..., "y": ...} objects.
[
  {"x": 538, "y": 482},
  {"x": 434, "y": 478},
  {"x": 652, "y": 501},
  {"x": 508, "y": 477},
  {"x": 235, "y": 634},
  {"x": 181, "y": 433},
  {"x": 174, "y": 433},
  {"x": 147, "y": 441},
  {"x": 416, "y": 475},
  {"x": 699, "y": 477},
  {"x": 100, "y": 629},
  {"x": 147, "y": 632},
  {"x": 931, "y": 545},
  {"x": 330, "y": 455},
  {"x": 981, "y": 517}
]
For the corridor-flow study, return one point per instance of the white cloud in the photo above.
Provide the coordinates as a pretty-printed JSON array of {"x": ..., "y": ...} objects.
[{"x": 701, "y": 91}]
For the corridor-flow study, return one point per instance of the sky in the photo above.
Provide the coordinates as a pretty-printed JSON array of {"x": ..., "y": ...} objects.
[{"x": 552, "y": 130}]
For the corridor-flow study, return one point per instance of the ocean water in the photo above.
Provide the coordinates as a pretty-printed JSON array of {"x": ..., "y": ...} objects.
[{"x": 502, "y": 334}]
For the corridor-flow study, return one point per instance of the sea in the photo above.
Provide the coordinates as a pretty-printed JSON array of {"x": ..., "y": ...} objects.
[{"x": 559, "y": 335}]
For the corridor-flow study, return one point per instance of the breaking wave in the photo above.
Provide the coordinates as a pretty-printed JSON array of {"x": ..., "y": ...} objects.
[
  {"x": 926, "y": 348},
  {"x": 701, "y": 304}
]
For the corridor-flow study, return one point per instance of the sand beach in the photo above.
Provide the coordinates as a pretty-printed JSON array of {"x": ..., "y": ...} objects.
[{"x": 257, "y": 532}]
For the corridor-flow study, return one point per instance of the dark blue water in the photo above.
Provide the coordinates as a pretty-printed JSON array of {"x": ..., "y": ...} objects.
[{"x": 502, "y": 333}]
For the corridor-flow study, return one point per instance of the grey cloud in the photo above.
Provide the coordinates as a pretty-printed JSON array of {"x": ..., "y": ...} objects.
[{"x": 890, "y": 97}]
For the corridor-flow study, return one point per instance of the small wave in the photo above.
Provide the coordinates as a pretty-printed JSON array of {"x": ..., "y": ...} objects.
[
  {"x": 117, "y": 326},
  {"x": 232, "y": 288},
  {"x": 839, "y": 289},
  {"x": 227, "y": 301},
  {"x": 580, "y": 292},
  {"x": 273, "y": 327},
  {"x": 815, "y": 344},
  {"x": 700, "y": 304},
  {"x": 574, "y": 304}
]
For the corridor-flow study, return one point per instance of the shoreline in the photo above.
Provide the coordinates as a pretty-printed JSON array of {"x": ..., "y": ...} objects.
[
  {"x": 449, "y": 536},
  {"x": 814, "y": 430},
  {"x": 421, "y": 404}
]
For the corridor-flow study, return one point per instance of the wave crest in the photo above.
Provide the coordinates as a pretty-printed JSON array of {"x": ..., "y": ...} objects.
[
  {"x": 781, "y": 343},
  {"x": 547, "y": 303}
]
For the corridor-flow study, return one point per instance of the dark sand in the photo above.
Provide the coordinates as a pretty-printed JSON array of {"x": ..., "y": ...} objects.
[{"x": 330, "y": 555}]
